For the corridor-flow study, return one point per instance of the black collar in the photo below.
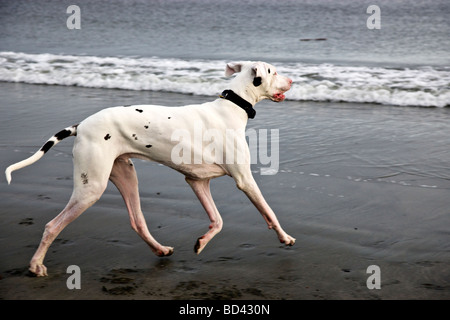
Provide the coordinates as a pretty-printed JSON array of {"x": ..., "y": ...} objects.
[{"x": 244, "y": 104}]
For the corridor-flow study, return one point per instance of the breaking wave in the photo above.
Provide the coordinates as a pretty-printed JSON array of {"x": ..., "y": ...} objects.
[{"x": 419, "y": 86}]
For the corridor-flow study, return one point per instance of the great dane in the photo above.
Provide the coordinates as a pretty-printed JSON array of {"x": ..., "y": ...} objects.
[{"x": 107, "y": 140}]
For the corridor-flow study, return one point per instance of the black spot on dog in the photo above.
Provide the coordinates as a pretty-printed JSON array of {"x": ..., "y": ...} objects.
[
  {"x": 134, "y": 136},
  {"x": 107, "y": 137},
  {"x": 139, "y": 110},
  {"x": 75, "y": 126},
  {"x": 47, "y": 146},
  {"x": 257, "y": 81},
  {"x": 148, "y": 146},
  {"x": 63, "y": 134},
  {"x": 84, "y": 178},
  {"x": 169, "y": 117},
  {"x": 146, "y": 127}
]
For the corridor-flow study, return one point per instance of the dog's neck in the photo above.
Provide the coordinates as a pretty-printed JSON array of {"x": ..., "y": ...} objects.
[
  {"x": 243, "y": 86},
  {"x": 241, "y": 102}
]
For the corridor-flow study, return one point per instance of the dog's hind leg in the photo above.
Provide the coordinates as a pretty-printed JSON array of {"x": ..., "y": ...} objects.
[
  {"x": 73, "y": 210},
  {"x": 92, "y": 167},
  {"x": 124, "y": 177},
  {"x": 87, "y": 190},
  {"x": 203, "y": 193}
]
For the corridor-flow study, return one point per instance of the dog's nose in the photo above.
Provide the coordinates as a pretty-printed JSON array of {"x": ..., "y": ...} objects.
[{"x": 289, "y": 83}]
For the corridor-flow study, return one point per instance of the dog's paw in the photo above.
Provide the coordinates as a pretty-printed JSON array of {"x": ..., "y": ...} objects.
[
  {"x": 38, "y": 269},
  {"x": 200, "y": 245},
  {"x": 287, "y": 240},
  {"x": 164, "y": 252}
]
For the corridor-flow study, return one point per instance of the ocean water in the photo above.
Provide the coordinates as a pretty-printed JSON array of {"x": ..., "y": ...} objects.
[{"x": 179, "y": 46}]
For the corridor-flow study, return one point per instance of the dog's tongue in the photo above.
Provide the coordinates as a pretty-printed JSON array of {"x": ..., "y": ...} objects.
[{"x": 279, "y": 96}]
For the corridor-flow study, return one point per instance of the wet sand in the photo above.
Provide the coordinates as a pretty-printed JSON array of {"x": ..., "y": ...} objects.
[{"x": 357, "y": 185}]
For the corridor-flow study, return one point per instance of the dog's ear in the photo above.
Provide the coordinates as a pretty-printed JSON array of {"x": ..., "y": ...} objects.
[{"x": 232, "y": 68}]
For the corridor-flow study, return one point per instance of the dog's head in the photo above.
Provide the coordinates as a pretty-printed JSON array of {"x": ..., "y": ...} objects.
[{"x": 263, "y": 77}]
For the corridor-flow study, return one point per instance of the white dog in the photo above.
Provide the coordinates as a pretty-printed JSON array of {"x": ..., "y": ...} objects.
[{"x": 107, "y": 140}]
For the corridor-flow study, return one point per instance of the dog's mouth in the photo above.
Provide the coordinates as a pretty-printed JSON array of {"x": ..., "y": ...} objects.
[{"x": 278, "y": 97}]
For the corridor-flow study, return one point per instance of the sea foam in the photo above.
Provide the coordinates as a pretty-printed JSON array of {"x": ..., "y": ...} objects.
[{"x": 421, "y": 86}]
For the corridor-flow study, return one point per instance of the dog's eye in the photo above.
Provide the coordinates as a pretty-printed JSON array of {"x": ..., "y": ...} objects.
[{"x": 268, "y": 70}]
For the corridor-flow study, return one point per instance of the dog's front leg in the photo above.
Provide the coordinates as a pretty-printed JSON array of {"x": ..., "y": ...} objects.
[{"x": 246, "y": 183}]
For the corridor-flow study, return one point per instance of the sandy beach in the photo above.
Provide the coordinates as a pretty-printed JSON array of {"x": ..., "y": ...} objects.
[{"x": 357, "y": 185}]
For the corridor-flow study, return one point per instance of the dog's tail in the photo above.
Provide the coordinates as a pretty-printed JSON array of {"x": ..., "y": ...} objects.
[{"x": 67, "y": 132}]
